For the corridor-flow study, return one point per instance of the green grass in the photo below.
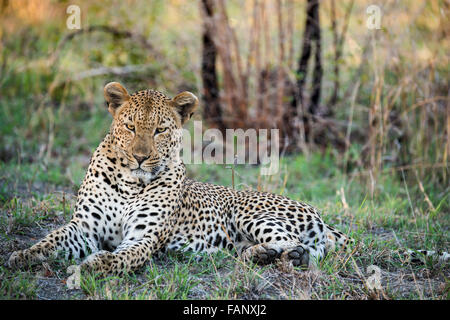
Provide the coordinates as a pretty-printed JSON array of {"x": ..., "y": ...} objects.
[
  {"x": 383, "y": 224},
  {"x": 17, "y": 285}
]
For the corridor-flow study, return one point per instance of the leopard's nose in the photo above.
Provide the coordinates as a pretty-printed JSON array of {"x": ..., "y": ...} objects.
[{"x": 140, "y": 159}]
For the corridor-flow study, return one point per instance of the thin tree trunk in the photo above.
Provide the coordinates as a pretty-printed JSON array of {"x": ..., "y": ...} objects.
[
  {"x": 316, "y": 88},
  {"x": 280, "y": 72},
  {"x": 311, "y": 35},
  {"x": 212, "y": 109}
]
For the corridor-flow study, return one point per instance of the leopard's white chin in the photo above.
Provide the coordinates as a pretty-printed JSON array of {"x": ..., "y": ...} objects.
[{"x": 147, "y": 176}]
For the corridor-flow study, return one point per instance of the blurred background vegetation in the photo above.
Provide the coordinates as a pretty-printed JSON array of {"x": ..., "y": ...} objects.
[{"x": 384, "y": 113}]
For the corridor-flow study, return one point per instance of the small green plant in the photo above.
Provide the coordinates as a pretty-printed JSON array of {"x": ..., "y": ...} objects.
[
  {"x": 17, "y": 285},
  {"x": 173, "y": 283}
]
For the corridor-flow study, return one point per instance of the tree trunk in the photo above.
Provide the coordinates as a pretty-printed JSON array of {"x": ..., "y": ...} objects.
[
  {"x": 311, "y": 36},
  {"x": 212, "y": 109}
]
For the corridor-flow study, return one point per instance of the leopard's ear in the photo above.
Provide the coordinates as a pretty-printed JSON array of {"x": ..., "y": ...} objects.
[
  {"x": 115, "y": 95},
  {"x": 185, "y": 104}
]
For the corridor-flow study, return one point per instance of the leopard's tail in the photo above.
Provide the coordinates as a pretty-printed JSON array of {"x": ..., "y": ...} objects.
[
  {"x": 335, "y": 239},
  {"x": 420, "y": 256}
]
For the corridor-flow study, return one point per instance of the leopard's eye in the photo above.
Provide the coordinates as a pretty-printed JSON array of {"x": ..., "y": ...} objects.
[
  {"x": 160, "y": 130},
  {"x": 129, "y": 127}
]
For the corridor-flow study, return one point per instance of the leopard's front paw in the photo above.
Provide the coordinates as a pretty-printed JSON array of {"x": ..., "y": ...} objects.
[
  {"x": 18, "y": 259},
  {"x": 100, "y": 261},
  {"x": 24, "y": 258}
]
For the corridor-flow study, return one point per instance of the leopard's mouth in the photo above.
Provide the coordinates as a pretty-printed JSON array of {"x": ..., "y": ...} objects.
[
  {"x": 147, "y": 176},
  {"x": 139, "y": 172}
]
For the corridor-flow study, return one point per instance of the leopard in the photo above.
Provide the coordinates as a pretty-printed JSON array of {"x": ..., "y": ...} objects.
[{"x": 136, "y": 201}]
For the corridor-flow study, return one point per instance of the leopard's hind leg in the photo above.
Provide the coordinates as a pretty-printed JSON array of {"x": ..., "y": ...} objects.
[{"x": 265, "y": 253}]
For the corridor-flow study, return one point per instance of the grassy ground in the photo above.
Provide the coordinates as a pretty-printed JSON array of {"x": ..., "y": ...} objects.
[{"x": 386, "y": 219}]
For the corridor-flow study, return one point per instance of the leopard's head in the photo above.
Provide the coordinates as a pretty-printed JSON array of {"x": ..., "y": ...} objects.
[{"x": 147, "y": 127}]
